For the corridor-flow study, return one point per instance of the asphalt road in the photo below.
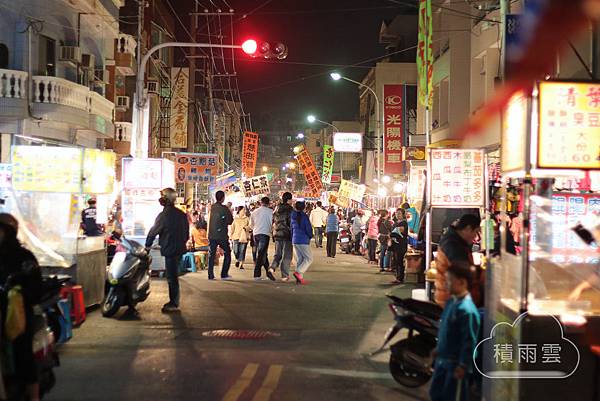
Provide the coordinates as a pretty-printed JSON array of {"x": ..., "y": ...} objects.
[{"x": 323, "y": 334}]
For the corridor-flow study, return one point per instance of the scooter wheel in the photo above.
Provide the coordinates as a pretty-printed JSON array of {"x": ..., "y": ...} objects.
[
  {"x": 113, "y": 301},
  {"x": 405, "y": 375}
]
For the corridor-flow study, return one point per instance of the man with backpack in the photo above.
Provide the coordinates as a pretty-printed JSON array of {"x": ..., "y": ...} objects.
[{"x": 282, "y": 235}]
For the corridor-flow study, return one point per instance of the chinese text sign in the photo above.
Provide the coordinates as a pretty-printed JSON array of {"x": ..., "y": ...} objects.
[
  {"x": 393, "y": 114},
  {"x": 327, "y": 163},
  {"x": 195, "y": 168},
  {"x": 249, "y": 153},
  {"x": 457, "y": 178},
  {"x": 179, "y": 107}
]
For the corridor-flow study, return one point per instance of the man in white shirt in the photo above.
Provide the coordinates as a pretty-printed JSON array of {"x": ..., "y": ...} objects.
[
  {"x": 261, "y": 222},
  {"x": 318, "y": 218}
]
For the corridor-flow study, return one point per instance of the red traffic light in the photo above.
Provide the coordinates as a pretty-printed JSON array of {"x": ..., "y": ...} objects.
[{"x": 249, "y": 47}]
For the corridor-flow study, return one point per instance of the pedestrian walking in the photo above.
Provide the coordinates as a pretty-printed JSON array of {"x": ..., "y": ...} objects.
[
  {"x": 318, "y": 217},
  {"x": 384, "y": 226},
  {"x": 356, "y": 230},
  {"x": 282, "y": 235},
  {"x": 302, "y": 232},
  {"x": 457, "y": 338},
  {"x": 372, "y": 237},
  {"x": 218, "y": 226},
  {"x": 240, "y": 235},
  {"x": 399, "y": 245},
  {"x": 173, "y": 231},
  {"x": 332, "y": 228},
  {"x": 261, "y": 222},
  {"x": 456, "y": 246}
]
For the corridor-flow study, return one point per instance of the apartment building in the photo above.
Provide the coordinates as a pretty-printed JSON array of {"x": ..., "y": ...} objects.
[{"x": 55, "y": 61}]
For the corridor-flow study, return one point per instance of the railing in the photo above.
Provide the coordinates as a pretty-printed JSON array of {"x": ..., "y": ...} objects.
[
  {"x": 126, "y": 44},
  {"x": 60, "y": 91},
  {"x": 101, "y": 106},
  {"x": 13, "y": 84},
  {"x": 123, "y": 131}
]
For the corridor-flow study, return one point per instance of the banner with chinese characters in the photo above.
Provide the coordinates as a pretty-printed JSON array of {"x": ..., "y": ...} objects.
[
  {"x": 142, "y": 173},
  {"x": 569, "y": 125},
  {"x": 327, "y": 163},
  {"x": 425, "y": 54},
  {"x": 310, "y": 171},
  {"x": 393, "y": 112},
  {"x": 457, "y": 178},
  {"x": 195, "y": 167},
  {"x": 249, "y": 153},
  {"x": 179, "y": 107},
  {"x": 351, "y": 190},
  {"x": 416, "y": 183},
  {"x": 258, "y": 185}
]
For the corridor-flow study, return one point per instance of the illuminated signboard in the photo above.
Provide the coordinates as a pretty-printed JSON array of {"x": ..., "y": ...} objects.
[
  {"x": 457, "y": 178},
  {"x": 569, "y": 125},
  {"x": 514, "y": 133},
  {"x": 349, "y": 142}
]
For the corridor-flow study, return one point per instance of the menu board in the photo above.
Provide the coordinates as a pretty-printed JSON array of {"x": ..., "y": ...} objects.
[
  {"x": 416, "y": 183},
  {"x": 327, "y": 163},
  {"x": 457, "y": 178},
  {"x": 142, "y": 173},
  {"x": 256, "y": 186},
  {"x": 46, "y": 169},
  {"x": 569, "y": 125},
  {"x": 196, "y": 167}
]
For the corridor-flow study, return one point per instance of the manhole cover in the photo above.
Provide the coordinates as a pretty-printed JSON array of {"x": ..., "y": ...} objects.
[{"x": 241, "y": 334}]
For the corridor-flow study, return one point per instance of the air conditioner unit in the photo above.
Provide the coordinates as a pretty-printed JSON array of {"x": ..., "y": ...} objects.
[
  {"x": 123, "y": 102},
  {"x": 152, "y": 87},
  {"x": 101, "y": 77},
  {"x": 70, "y": 54},
  {"x": 88, "y": 61}
]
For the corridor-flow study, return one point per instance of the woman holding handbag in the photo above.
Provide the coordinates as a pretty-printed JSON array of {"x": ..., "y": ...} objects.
[{"x": 240, "y": 235}]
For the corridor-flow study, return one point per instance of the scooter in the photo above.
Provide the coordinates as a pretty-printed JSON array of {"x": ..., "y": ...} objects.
[
  {"x": 346, "y": 243},
  {"x": 128, "y": 277},
  {"x": 410, "y": 359}
]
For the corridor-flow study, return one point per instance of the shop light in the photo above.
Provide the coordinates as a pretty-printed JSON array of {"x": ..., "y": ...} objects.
[
  {"x": 382, "y": 191},
  {"x": 398, "y": 187},
  {"x": 386, "y": 179}
]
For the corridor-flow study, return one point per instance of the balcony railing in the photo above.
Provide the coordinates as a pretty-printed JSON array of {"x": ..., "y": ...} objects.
[
  {"x": 101, "y": 106},
  {"x": 13, "y": 84},
  {"x": 126, "y": 44},
  {"x": 123, "y": 131},
  {"x": 60, "y": 91}
]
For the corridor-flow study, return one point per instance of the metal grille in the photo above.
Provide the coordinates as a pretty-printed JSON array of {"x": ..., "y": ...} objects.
[{"x": 241, "y": 334}]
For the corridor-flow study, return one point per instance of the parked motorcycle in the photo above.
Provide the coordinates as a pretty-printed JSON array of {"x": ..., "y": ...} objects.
[
  {"x": 410, "y": 360},
  {"x": 128, "y": 277}
]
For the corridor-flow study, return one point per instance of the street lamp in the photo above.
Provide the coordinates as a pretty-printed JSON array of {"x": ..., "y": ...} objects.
[
  {"x": 336, "y": 76},
  {"x": 264, "y": 169},
  {"x": 311, "y": 119},
  {"x": 292, "y": 165},
  {"x": 300, "y": 135}
]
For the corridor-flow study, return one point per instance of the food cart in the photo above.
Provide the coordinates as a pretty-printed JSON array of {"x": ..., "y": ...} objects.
[
  {"x": 48, "y": 191},
  {"x": 550, "y": 153}
]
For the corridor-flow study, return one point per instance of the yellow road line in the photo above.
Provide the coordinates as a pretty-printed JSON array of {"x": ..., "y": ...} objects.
[
  {"x": 269, "y": 384},
  {"x": 242, "y": 383}
]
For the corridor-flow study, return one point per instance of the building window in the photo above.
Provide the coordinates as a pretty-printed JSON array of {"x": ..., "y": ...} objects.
[
  {"x": 47, "y": 56},
  {"x": 3, "y": 56},
  {"x": 318, "y": 144}
]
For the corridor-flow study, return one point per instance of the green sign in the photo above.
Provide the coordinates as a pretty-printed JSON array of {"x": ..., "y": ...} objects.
[
  {"x": 327, "y": 164},
  {"x": 269, "y": 176}
]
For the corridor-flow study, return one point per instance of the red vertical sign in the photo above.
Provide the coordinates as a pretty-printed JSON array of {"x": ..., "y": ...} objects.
[{"x": 393, "y": 114}]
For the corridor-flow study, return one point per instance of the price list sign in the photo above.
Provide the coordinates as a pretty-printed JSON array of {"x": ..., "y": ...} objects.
[
  {"x": 457, "y": 178},
  {"x": 569, "y": 125}
]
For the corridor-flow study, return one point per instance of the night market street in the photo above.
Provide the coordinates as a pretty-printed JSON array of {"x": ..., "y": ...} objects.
[{"x": 327, "y": 329}]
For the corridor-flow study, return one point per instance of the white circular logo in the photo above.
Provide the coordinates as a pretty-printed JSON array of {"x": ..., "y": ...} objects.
[{"x": 393, "y": 100}]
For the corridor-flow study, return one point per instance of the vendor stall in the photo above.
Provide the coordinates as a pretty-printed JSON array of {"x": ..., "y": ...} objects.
[
  {"x": 550, "y": 147},
  {"x": 50, "y": 185},
  {"x": 143, "y": 179}
]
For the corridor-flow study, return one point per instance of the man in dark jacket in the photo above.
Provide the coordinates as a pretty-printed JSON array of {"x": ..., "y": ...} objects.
[
  {"x": 282, "y": 234},
  {"x": 173, "y": 231},
  {"x": 18, "y": 266},
  {"x": 219, "y": 221}
]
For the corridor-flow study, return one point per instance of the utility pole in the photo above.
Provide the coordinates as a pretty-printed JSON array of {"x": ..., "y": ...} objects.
[
  {"x": 504, "y": 9},
  {"x": 211, "y": 110}
]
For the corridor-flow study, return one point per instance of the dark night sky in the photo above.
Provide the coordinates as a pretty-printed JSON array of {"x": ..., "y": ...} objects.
[{"x": 315, "y": 32}]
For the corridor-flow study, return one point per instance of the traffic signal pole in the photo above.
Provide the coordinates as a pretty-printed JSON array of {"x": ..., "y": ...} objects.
[{"x": 141, "y": 95}]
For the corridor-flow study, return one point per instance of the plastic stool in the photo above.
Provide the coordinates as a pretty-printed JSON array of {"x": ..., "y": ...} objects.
[
  {"x": 74, "y": 294},
  {"x": 188, "y": 260},
  {"x": 201, "y": 258}
]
